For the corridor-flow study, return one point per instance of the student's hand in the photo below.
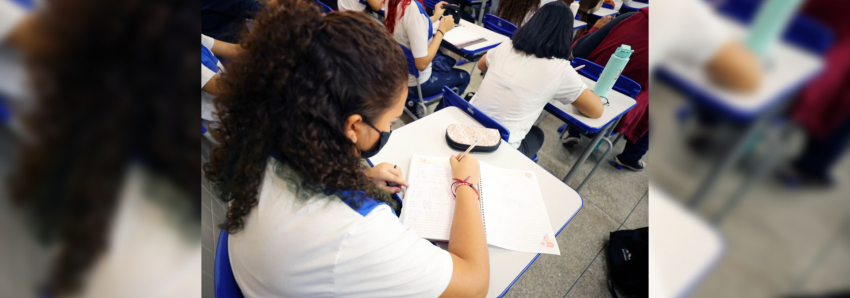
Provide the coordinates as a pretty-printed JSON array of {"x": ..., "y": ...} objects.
[
  {"x": 447, "y": 23},
  {"x": 387, "y": 172},
  {"x": 466, "y": 167},
  {"x": 601, "y": 22},
  {"x": 438, "y": 9}
]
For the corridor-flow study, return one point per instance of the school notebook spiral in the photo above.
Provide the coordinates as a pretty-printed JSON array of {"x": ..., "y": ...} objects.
[{"x": 512, "y": 207}]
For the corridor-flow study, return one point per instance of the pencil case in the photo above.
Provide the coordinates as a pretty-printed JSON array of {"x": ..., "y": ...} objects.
[{"x": 460, "y": 137}]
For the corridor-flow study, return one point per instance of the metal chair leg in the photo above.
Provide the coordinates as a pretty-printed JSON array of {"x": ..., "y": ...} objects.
[
  {"x": 539, "y": 120},
  {"x": 584, "y": 155},
  {"x": 421, "y": 99},
  {"x": 411, "y": 114},
  {"x": 598, "y": 163}
]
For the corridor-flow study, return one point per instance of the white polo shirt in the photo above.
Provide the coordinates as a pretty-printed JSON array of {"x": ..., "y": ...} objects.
[
  {"x": 344, "y": 5},
  {"x": 207, "y": 106},
  {"x": 518, "y": 86},
  {"x": 321, "y": 247},
  {"x": 411, "y": 31}
]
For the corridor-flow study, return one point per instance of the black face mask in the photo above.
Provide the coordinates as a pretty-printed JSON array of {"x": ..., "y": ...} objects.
[{"x": 385, "y": 136}]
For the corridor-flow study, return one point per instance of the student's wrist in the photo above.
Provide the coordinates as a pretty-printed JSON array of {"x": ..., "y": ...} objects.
[{"x": 467, "y": 192}]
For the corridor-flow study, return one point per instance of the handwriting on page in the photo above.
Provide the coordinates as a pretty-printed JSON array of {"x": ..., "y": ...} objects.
[
  {"x": 429, "y": 207},
  {"x": 514, "y": 210}
]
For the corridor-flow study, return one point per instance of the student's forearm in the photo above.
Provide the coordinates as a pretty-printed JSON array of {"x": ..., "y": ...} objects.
[
  {"x": 375, "y": 4},
  {"x": 226, "y": 49},
  {"x": 422, "y": 63},
  {"x": 467, "y": 239}
]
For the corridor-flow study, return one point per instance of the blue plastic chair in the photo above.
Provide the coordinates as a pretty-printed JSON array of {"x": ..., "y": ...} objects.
[
  {"x": 430, "y": 4},
  {"x": 417, "y": 98},
  {"x": 203, "y": 129},
  {"x": 623, "y": 84},
  {"x": 803, "y": 31},
  {"x": 324, "y": 7},
  {"x": 499, "y": 25},
  {"x": 225, "y": 282},
  {"x": 607, "y": 5},
  {"x": 451, "y": 99}
]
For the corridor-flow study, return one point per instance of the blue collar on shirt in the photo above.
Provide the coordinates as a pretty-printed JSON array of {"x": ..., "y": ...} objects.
[
  {"x": 208, "y": 59},
  {"x": 430, "y": 25},
  {"x": 356, "y": 199}
]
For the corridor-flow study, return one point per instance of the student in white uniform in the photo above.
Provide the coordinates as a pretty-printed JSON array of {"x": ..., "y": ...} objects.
[
  {"x": 414, "y": 29},
  {"x": 211, "y": 67},
  {"x": 530, "y": 71},
  {"x": 310, "y": 98}
]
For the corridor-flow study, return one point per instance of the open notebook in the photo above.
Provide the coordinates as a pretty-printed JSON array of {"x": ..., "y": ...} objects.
[
  {"x": 512, "y": 207},
  {"x": 461, "y": 37}
]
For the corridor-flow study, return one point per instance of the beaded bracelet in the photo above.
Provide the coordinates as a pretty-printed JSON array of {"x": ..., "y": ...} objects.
[{"x": 458, "y": 183}]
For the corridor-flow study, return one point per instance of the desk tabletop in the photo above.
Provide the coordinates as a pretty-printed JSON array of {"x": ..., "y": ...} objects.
[
  {"x": 579, "y": 24},
  {"x": 636, "y": 5},
  {"x": 619, "y": 104},
  {"x": 787, "y": 69},
  {"x": 604, "y": 12},
  {"x": 426, "y": 136},
  {"x": 493, "y": 38},
  {"x": 683, "y": 247}
]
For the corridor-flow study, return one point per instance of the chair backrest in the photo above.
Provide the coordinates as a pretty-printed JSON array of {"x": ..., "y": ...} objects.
[
  {"x": 451, "y": 99},
  {"x": 324, "y": 7},
  {"x": 803, "y": 31},
  {"x": 607, "y": 5},
  {"x": 203, "y": 129},
  {"x": 430, "y": 4},
  {"x": 225, "y": 282},
  {"x": 498, "y": 25},
  {"x": 592, "y": 70},
  {"x": 411, "y": 64}
]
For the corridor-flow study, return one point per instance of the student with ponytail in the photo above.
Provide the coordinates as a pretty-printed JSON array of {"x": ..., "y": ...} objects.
[
  {"x": 300, "y": 108},
  {"x": 413, "y": 29}
]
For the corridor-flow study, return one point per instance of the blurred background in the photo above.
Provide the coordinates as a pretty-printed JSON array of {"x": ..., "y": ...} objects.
[
  {"x": 98, "y": 149},
  {"x": 749, "y": 172}
]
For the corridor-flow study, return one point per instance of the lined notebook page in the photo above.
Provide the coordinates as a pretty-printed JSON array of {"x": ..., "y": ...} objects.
[
  {"x": 514, "y": 211},
  {"x": 428, "y": 205}
]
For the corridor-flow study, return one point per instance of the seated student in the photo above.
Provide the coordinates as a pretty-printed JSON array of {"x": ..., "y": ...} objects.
[
  {"x": 530, "y": 71},
  {"x": 306, "y": 217},
  {"x": 518, "y": 12},
  {"x": 597, "y": 46},
  {"x": 225, "y": 19},
  {"x": 210, "y": 68},
  {"x": 412, "y": 28}
]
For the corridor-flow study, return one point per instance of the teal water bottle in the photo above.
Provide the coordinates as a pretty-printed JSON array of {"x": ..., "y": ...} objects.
[
  {"x": 771, "y": 19},
  {"x": 612, "y": 70}
]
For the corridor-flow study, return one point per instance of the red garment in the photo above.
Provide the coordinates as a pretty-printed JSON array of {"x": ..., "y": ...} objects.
[
  {"x": 824, "y": 103},
  {"x": 634, "y": 32}
]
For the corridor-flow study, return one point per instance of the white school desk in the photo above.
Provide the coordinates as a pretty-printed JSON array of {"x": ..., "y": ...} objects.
[
  {"x": 427, "y": 136},
  {"x": 578, "y": 25},
  {"x": 477, "y": 50},
  {"x": 787, "y": 69},
  {"x": 618, "y": 104},
  {"x": 683, "y": 248},
  {"x": 635, "y": 5},
  {"x": 604, "y": 12}
]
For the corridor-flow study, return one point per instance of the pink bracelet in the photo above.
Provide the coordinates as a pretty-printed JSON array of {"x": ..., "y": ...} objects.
[{"x": 458, "y": 183}]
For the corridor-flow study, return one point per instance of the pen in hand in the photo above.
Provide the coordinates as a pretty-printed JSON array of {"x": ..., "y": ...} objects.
[{"x": 470, "y": 148}]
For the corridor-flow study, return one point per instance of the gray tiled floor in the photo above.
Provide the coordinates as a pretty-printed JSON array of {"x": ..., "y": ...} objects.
[
  {"x": 779, "y": 241},
  {"x": 613, "y": 200}
]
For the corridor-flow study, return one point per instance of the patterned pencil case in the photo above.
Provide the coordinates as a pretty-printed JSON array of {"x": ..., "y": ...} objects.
[{"x": 460, "y": 137}]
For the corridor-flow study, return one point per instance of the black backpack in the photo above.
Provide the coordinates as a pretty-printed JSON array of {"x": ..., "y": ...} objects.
[{"x": 628, "y": 263}]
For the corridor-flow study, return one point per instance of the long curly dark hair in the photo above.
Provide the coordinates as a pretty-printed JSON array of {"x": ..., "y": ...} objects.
[
  {"x": 113, "y": 82},
  {"x": 289, "y": 94}
]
